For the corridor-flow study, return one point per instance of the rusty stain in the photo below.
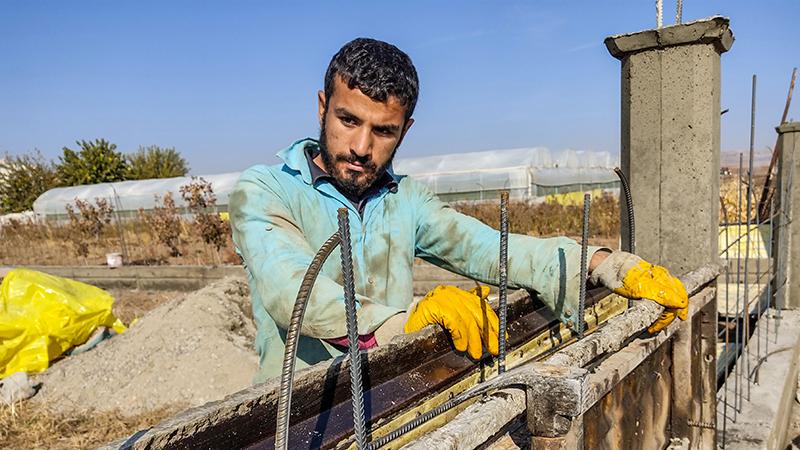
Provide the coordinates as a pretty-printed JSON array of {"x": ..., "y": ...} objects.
[{"x": 635, "y": 414}]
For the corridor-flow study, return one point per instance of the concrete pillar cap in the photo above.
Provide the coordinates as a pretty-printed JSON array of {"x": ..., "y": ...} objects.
[
  {"x": 713, "y": 30},
  {"x": 788, "y": 127}
]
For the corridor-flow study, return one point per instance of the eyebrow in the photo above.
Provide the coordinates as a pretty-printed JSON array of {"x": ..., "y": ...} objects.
[{"x": 386, "y": 128}]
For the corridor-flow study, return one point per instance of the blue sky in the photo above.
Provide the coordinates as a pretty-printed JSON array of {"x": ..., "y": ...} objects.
[{"x": 231, "y": 83}]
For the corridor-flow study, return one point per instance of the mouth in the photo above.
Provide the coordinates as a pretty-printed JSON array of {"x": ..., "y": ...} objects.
[{"x": 354, "y": 167}]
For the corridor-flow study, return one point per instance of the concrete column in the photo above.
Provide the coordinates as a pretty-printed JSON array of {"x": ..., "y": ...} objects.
[
  {"x": 670, "y": 153},
  {"x": 787, "y": 230},
  {"x": 670, "y": 138}
]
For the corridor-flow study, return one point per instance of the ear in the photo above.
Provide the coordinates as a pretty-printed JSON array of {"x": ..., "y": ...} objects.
[
  {"x": 408, "y": 124},
  {"x": 321, "y": 106}
]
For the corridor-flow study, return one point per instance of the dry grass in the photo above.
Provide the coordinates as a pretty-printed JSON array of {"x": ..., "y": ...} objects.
[
  {"x": 51, "y": 244},
  {"x": 29, "y": 425},
  {"x": 730, "y": 192},
  {"x": 554, "y": 219}
]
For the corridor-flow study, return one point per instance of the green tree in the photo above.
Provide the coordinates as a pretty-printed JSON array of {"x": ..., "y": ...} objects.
[
  {"x": 95, "y": 162},
  {"x": 23, "y": 178},
  {"x": 156, "y": 162}
]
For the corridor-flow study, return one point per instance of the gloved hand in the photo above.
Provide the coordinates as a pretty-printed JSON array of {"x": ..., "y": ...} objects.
[
  {"x": 630, "y": 276},
  {"x": 466, "y": 315}
]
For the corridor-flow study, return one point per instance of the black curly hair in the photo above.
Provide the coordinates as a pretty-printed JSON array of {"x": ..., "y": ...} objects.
[{"x": 376, "y": 68}]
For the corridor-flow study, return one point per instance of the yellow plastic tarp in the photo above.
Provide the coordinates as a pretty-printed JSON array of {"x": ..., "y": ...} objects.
[{"x": 42, "y": 316}]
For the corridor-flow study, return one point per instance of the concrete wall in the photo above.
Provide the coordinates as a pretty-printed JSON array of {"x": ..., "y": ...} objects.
[
  {"x": 670, "y": 138},
  {"x": 787, "y": 239}
]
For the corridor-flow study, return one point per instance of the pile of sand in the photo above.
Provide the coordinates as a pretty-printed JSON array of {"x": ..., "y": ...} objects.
[{"x": 191, "y": 350}]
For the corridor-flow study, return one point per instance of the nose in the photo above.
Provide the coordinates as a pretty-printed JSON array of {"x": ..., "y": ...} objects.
[{"x": 361, "y": 145}]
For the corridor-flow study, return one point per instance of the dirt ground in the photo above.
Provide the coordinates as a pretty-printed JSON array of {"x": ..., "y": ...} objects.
[
  {"x": 178, "y": 354},
  {"x": 132, "y": 304}
]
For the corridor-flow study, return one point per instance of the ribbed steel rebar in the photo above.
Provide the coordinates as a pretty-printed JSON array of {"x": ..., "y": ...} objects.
[
  {"x": 737, "y": 388},
  {"x": 416, "y": 422},
  {"x": 503, "y": 284},
  {"x": 356, "y": 387},
  {"x": 292, "y": 335},
  {"x": 587, "y": 200},
  {"x": 747, "y": 238},
  {"x": 626, "y": 191}
]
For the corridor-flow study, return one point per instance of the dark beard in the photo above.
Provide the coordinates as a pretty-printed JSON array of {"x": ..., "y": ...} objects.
[{"x": 346, "y": 182}]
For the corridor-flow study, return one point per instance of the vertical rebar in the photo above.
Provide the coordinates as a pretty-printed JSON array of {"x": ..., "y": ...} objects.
[
  {"x": 626, "y": 191},
  {"x": 356, "y": 388},
  {"x": 739, "y": 342},
  {"x": 503, "y": 284},
  {"x": 292, "y": 336},
  {"x": 770, "y": 271},
  {"x": 727, "y": 332},
  {"x": 747, "y": 237},
  {"x": 587, "y": 200},
  {"x": 679, "y": 13},
  {"x": 659, "y": 13}
]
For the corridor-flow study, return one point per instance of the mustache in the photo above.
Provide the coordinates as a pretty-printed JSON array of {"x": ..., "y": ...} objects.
[{"x": 365, "y": 161}]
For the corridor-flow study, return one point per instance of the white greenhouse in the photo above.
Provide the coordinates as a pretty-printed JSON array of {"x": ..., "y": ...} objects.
[
  {"x": 528, "y": 173},
  {"x": 128, "y": 197}
]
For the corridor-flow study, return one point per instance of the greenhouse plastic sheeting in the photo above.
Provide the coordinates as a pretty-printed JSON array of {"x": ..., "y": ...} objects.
[
  {"x": 515, "y": 170},
  {"x": 131, "y": 195},
  {"x": 42, "y": 316},
  {"x": 509, "y": 169}
]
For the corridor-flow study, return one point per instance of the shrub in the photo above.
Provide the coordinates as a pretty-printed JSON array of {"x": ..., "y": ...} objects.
[
  {"x": 95, "y": 162},
  {"x": 23, "y": 178},
  {"x": 164, "y": 223},
  {"x": 156, "y": 162},
  {"x": 200, "y": 198},
  {"x": 88, "y": 223}
]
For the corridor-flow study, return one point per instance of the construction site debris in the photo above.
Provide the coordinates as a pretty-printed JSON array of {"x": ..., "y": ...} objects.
[
  {"x": 16, "y": 387},
  {"x": 191, "y": 350},
  {"x": 43, "y": 316}
]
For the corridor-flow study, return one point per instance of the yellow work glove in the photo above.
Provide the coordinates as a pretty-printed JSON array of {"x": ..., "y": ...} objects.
[
  {"x": 466, "y": 315},
  {"x": 630, "y": 276}
]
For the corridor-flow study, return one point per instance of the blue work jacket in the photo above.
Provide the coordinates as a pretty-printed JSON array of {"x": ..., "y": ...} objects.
[{"x": 280, "y": 219}]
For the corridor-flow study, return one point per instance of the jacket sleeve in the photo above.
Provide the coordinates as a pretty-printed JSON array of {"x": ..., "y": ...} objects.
[
  {"x": 277, "y": 255},
  {"x": 463, "y": 244}
]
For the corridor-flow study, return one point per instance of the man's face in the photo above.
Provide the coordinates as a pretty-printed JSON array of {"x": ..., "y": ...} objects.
[{"x": 358, "y": 136}]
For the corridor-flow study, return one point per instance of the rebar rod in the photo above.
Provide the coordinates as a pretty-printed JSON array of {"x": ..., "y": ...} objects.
[
  {"x": 630, "y": 245},
  {"x": 747, "y": 239},
  {"x": 292, "y": 335},
  {"x": 587, "y": 200},
  {"x": 769, "y": 274},
  {"x": 503, "y": 284},
  {"x": 626, "y": 190},
  {"x": 356, "y": 388},
  {"x": 659, "y": 13},
  {"x": 738, "y": 367},
  {"x": 727, "y": 335}
]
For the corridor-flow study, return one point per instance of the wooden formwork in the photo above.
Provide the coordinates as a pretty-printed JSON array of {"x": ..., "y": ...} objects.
[{"x": 615, "y": 388}]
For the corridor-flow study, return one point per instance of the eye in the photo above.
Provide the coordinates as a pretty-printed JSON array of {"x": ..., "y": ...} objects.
[{"x": 347, "y": 120}]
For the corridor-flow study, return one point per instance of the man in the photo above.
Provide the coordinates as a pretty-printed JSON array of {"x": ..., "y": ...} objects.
[{"x": 282, "y": 214}]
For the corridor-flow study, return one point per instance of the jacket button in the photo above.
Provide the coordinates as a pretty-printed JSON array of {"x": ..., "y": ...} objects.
[
  {"x": 370, "y": 280},
  {"x": 567, "y": 312}
]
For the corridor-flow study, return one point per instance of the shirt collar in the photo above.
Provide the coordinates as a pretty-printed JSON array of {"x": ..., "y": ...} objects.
[{"x": 299, "y": 157}]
